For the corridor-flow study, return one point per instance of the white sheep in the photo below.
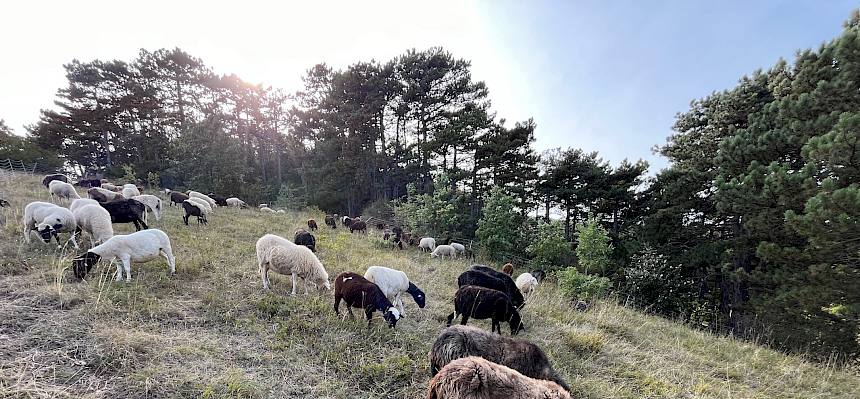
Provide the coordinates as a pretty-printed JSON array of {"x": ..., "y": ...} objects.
[
  {"x": 94, "y": 220},
  {"x": 48, "y": 220},
  {"x": 111, "y": 187},
  {"x": 459, "y": 247},
  {"x": 204, "y": 197},
  {"x": 129, "y": 190},
  {"x": 235, "y": 202},
  {"x": 137, "y": 247},
  {"x": 201, "y": 203},
  {"x": 526, "y": 283},
  {"x": 393, "y": 283},
  {"x": 266, "y": 209},
  {"x": 153, "y": 204},
  {"x": 108, "y": 195},
  {"x": 442, "y": 251},
  {"x": 428, "y": 243},
  {"x": 284, "y": 257},
  {"x": 81, "y": 202},
  {"x": 281, "y": 211},
  {"x": 62, "y": 189}
]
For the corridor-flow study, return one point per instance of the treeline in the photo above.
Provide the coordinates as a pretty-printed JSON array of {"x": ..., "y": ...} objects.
[{"x": 752, "y": 229}]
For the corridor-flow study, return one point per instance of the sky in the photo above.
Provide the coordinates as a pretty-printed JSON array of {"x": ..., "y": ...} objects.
[{"x": 605, "y": 76}]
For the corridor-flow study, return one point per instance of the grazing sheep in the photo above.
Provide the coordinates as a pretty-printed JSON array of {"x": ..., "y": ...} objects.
[
  {"x": 398, "y": 236},
  {"x": 199, "y": 201},
  {"x": 302, "y": 237},
  {"x": 267, "y": 209},
  {"x": 204, "y": 197},
  {"x": 358, "y": 292},
  {"x": 197, "y": 209},
  {"x": 282, "y": 256},
  {"x": 153, "y": 204},
  {"x": 347, "y": 221},
  {"x": 49, "y": 178},
  {"x": 62, "y": 190},
  {"x": 477, "y": 378},
  {"x": 95, "y": 220},
  {"x": 482, "y": 279},
  {"x": 126, "y": 211},
  {"x": 137, "y": 247},
  {"x": 393, "y": 283},
  {"x": 312, "y": 224},
  {"x": 219, "y": 200},
  {"x": 484, "y": 303},
  {"x": 459, "y": 248},
  {"x": 511, "y": 286},
  {"x": 526, "y": 283},
  {"x": 81, "y": 202},
  {"x": 129, "y": 190},
  {"x": 428, "y": 243},
  {"x": 444, "y": 250},
  {"x": 177, "y": 198},
  {"x": 358, "y": 225},
  {"x": 111, "y": 187},
  {"x": 538, "y": 274},
  {"x": 281, "y": 211},
  {"x": 87, "y": 183},
  {"x": 101, "y": 194},
  {"x": 463, "y": 341},
  {"x": 508, "y": 269},
  {"x": 235, "y": 202},
  {"x": 329, "y": 221},
  {"x": 48, "y": 220}
]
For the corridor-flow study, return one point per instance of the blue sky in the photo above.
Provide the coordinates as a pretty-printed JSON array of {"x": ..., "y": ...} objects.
[{"x": 606, "y": 76}]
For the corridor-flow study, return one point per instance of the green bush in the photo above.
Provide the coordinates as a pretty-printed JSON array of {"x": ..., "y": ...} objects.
[
  {"x": 499, "y": 227},
  {"x": 549, "y": 249},
  {"x": 593, "y": 248},
  {"x": 578, "y": 285}
]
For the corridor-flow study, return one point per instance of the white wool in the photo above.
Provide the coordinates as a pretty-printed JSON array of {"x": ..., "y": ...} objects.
[
  {"x": 138, "y": 247},
  {"x": 442, "y": 251},
  {"x": 267, "y": 209},
  {"x": 38, "y": 215},
  {"x": 201, "y": 204},
  {"x": 111, "y": 195},
  {"x": 153, "y": 204},
  {"x": 62, "y": 190},
  {"x": 281, "y": 211},
  {"x": 111, "y": 187},
  {"x": 428, "y": 243},
  {"x": 81, "y": 202},
  {"x": 393, "y": 283},
  {"x": 129, "y": 190},
  {"x": 94, "y": 220},
  {"x": 526, "y": 283},
  {"x": 284, "y": 257},
  {"x": 204, "y": 197},
  {"x": 459, "y": 247},
  {"x": 233, "y": 201}
]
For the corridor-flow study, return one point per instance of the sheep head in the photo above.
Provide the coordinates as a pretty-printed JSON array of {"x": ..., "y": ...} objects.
[
  {"x": 84, "y": 263},
  {"x": 391, "y": 316},
  {"x": 417, "y": 295},
  {"x": 46, "y": 231}
]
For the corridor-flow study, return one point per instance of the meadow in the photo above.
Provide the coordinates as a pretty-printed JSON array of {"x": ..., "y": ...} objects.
[{"x": 211, "y": 330}]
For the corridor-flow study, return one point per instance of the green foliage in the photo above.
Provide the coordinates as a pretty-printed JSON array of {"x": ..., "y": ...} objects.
[
  {"x": 549, "y": 249},
  {"x": 656, "y": 284},
  {"x": 26, "y": 150},
  {"x": 593, "y": 247},
  {"x": 499, "y": 228},
  {"x": 434, "y": 213},
  {"x": 128, "y": 174},
  {"x": 587, "y": 287},
  {"x": 153, "y": 180},
  {"x": 292, "y": 197}
]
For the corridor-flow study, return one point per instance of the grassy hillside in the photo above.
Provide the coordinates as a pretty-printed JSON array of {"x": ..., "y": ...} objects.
[{"x": 211, "y": 331}]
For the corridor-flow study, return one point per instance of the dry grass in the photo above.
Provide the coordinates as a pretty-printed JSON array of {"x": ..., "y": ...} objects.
[{"x": 211, "y": 331}]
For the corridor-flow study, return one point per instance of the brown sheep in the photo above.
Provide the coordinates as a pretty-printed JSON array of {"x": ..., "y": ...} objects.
[
  {"x": 312, "y": 224},
  {"x": 477, "y": 378},
  {"x": 508, "y": 269}
]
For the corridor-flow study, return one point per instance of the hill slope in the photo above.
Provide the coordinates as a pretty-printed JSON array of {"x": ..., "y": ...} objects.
[{"x": 212, "y": 331}]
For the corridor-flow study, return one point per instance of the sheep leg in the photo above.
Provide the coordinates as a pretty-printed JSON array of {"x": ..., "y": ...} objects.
[
  {"x": 293, "y": 293},
  {"x": 74, "y": 241},
  {"x": 126, "y": 264},
  {"x": 337, "y": 305},
  {"x": 368, "y": 312},
  {"x": 264, "y": 274},
  {"x": 399, "y": 304},
  {"x": 465, "y": 319},
  {"x": 185, "y": 219},
  {"x": 118, "y": 271},
  {"x": 451, "y": 318}
]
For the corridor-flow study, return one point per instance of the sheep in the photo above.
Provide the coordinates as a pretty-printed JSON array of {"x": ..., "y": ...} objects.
[
  {"x": 508, "y": 269},
  {"x": 393, "y": 283},
  {"x": 137, "y": 247},
  {"x": 176, "y": 198},
  {"x": 153, "y": 204},
  {"x": 538, "y": 274},
  {"x": 302, "y": 237},
  {"x": 312, "y": 224},
  {"x": 49, "y": 178},
  {"x": 497, "y": 282},
  {"x": 261, "y": 206},
  {"x": 62, "y": 190},
  {"x": 219, "y": 200},
  {"x": 444, "y": 250},
  {"x": 95, "y": 220},
  {"x": 129, "y": 190},
  {"x": 477, "y": 378},
  {"x": 235, "y": 202},
  {"x": 101, "y": 194},
  {"x": 195, "y": 209},
  {"x": 48, "y": 220},
  {"x": 463, "y": 341},
  {"x": 280, "y": 255},
  {"x": 358, "y": 292},
  {"x": 87, "y": 183},
  {"x": 199, "y": 201},
  {"x": 526, "y": 283},
  {"x": 81, "y": 202},
  {"x": 4, "y": 203},
  {"x": 347, "y": 221},
  {"x": 428, "y": 243},
  {"x": 111, "y": 187},
  {"x": 358, "y": 225},
  {"x": 281, "y": 211},
  {"x": 267, "y": 209},
  {"x": 460, "y": 248},
  {"x": 126, "y": 211},
  {"x": 512, "y": 289},
  {"x": 204, "y": 197},
  {"x": 485, "y": 303},
  {"x": 329, "y": 221}
]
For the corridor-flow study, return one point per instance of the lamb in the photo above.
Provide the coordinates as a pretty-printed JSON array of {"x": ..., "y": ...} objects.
[
  {"x": 153, "y": 204},
  {"x": 101, "y": 194},
  {"x": 523, "y": 356},
  {"x": 235, "y": 202},
  {"x": 282, "y": 256},
  {"x": 176, "y": 197},
  {"x": 485, "y": 303},
  {"x": 477, "y": 378},
  {"x": 358, "y": 292},
  {"x": 129, "y": 190},
  {"x": 49, "y": 178},
  {"x": 526, "y": 283},
  {"x": 508, "y": 269},
  {"x": 48, "y": 220},
  {"x": 126, "y": 211},
  {"x": 95, "y": 220},
  {"x": 480, "y": 278},
  {"x": 62, "y": 190},
  {"x": 444, "y": 250},
  {"x": 460, "y": 248},
  {"x": 81, "y": 202},
  {"x": 204, "y": 197},
  {"x": 199, "y": 201},
  {"x": 358, "y": 225},
  {"x": 219, "y": 200},
  {"x": 428, "y": 243},
  {"x": 393, "y": 283},
  {"x": 312, "y": 224},
  {"x": 302, "y": 237},
  {"x": 329, "y": 221},
  {"x": 137, "y": 247},
  {"x": 194, "y": 209}
]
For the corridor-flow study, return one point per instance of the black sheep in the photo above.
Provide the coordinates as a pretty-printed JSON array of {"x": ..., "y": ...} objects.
[
  {"x": 177, "y": 198},
  {"x": 312, "y": 224},
  {"x": 512, "y": 290},
  {"x": 302, "y": 237},
  {"x": 329, "y": 221},
  {"x": 126, "y": 211},
  {"x": 49, "y": 178},
  {"x": 193, "y": 210},
  {"x": 485, "y": 303},
  {"x": 219, "y": 200},
  {"x": 89, "y": 183},
  {"x": 358, "y": 292},
  {"x": 538, "y": 274},
  {"x": 358, "y": 225},
  {"x": 482, "y": 279}
]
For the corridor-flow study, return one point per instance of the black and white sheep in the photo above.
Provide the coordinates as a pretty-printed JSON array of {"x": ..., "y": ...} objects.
[
  {"x": 49, "y": 178},
  {"x": 192, "y": 208},
  {"x": 509, "y": 284},
  {"x": 137, "y": 247},
  {"x": 393, "y": 284},
  {"x": 48, "y": 220},
  {"x": 201, "y": 202},
  {"x": 303, "y": 237},
  {"x": 284, "y": 257},
  {"x": 195, "y": 194},
  {"x": 153, "y": 204},
  {"x": 523, "y": 356},
  {"x": 484, "y": 303},
  {"x": 347, "y": 221},
  {"x": 126, "y": 211},
  {"x": 478, "y": 378},
  {"x": 62, "y": 190},
  {"x": 357, "y": 292}
]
